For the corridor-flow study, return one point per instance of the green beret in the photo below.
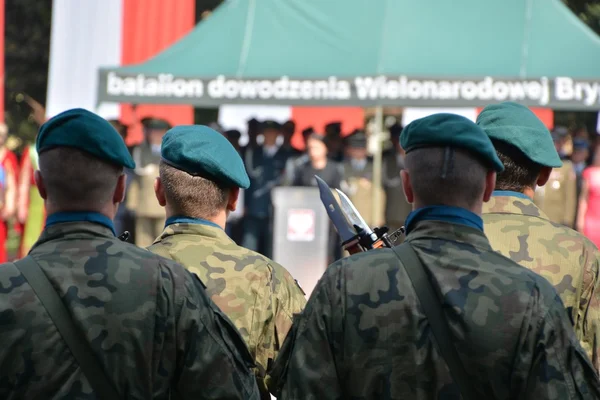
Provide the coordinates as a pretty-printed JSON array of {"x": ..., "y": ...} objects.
[
  {"x": 441, "y": 130},
  {"x": 518, "y": 126},
  {"x": 202, "y": 151},
  {"x": 86, "y": 131}
]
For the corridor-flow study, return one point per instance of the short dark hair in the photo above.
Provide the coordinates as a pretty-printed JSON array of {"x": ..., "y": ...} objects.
[
  {"x": 192, "y": 196},
  {"x": 464, "y": 181},
  {"x": 76, "y": 180},
  {"x": 519, "y": 171}
]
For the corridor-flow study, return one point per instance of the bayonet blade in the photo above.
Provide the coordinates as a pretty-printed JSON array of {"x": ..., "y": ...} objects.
[
  {"x": 334, "y": 211},
  {"x": 352, "y": 213}
]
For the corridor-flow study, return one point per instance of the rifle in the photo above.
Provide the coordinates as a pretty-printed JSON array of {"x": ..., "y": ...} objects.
[{"x": 356, "y": 235}]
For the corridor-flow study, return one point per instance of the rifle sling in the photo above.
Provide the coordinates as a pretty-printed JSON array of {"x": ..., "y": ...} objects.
[
  {"x": 435, "y": 316},
  {"x": 74, "y": 339}
]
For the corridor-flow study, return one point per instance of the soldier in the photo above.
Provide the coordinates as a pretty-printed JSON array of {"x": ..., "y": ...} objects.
[
  {"x": 396, "y": 206},
  {"x": 335, "y": 143},
  {"x": 295, "y": 163},
  {"x": 234, "y": 136},
  {"x": 518, "y": 229},
  {"x": 198, "y": 190},
  {"x": 149, "y": 216},
  {"x": 358, "y": 179},
  {"x": 266, "y": 166},
  {"x": 143, "y": 321},
  {"x": 364, "y": 333},
  {"x": 558, "y": 197},
  {"x": 288, "y": 129}
]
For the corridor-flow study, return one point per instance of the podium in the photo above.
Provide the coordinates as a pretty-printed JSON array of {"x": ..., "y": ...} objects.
[{"x": 300, "y": 234}]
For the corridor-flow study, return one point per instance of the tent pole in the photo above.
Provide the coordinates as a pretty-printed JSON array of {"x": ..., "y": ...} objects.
[{"x": 377, "y": 165}]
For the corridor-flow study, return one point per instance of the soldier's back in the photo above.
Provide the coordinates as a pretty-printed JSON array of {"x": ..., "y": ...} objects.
[
  {"x": 144, "y": 317},
  {"x": 257, "y": 294},
  {"x": 507, "y": 325},
  {"x": 518, "y": 229}
]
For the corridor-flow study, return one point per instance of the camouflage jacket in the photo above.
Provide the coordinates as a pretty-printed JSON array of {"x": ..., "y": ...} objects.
[
  {"x": 518, "y": 229},
  {"x": 363, "y": 334},
  {"x": 258, "y": 295},
  {"x": 148, "y": 321}
]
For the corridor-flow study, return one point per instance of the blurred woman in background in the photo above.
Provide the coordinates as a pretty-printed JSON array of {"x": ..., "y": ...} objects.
[
  {"x": 318, "y": 163},
  {"x": 588, "y": 218}
]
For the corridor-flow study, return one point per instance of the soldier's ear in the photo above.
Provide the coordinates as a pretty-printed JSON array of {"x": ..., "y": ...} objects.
[
  {"x": 490, "y": 185},
  {"x": 234, "y": 193},
  {"x": 407, "y": 186},
  {"x": 119, "y": 194},
  {"x": 544, "y": 176},
  {"x": 159, "y": 191},
  {"x": 39, "y": 182}
]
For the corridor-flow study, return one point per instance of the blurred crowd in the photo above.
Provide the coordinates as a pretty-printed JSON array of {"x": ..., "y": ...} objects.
[
  {"x": 571, "y": 195},
  {"x": 340, "y": 158}
]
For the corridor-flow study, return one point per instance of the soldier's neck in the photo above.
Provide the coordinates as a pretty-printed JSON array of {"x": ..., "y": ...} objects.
[
  {"x": 220, "y": 219},
  {"x": 529, "y": 192},
  {"x": 109, "y": 211}
]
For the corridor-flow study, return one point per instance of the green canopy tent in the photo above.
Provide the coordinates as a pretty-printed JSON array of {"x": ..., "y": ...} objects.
[
  {"x": 373, "y": 53},
  {"x": 385, "y": 52}
]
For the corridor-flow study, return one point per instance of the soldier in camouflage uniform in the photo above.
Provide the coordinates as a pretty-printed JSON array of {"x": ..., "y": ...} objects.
[
  {"x": 200, "y": 177},
  {"x": 558, "y": 197},
  {"x": 148, "y": 321},
  {"x": 518, "y": 229},
  {"x": 364, "y": 335}
]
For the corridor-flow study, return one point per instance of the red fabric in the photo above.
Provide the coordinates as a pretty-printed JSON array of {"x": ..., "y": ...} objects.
[
  {"x": 25, "y": 167},
  {"x": 10, "y": 164},
  {"x": 2, "y": 19},
  {"x": 150, "y": 26},
  {"x": 591, "y": 227},
  {"x": 351, "y": 118}
]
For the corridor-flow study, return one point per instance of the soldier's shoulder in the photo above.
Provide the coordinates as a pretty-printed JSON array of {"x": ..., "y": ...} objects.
[
  {"x": 264, "y": 264},
  {"x": 357, "y": 266},
  {"x": 143, "y": 262},
  {"x": 516, "y": 276},
  {"x": 573, "y": 240}
]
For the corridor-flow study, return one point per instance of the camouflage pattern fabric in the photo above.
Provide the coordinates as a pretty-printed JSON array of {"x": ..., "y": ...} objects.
[
  {"x": 518, "y": 229},
  {"x": 258, "y": 295},
  {"x": 148, "y": 321},
  {"x": 363, "y": 334}
]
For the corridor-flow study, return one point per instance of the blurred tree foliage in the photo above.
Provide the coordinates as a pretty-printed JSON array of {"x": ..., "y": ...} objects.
[
  {"x": 589, "y": 12},
  {"x": 27, "y": 49}
]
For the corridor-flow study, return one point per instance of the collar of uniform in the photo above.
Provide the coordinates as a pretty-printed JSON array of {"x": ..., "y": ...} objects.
[
  {"x": 178, "y": 219},
  {"x": 207, "y": 231},
  {"x": 80, "y": 216},
  {"x": 74, "y": 230},
  {"x": 429, "y": 229},
  {"x": 510, "y": 204},
  {"x": 450, "y": 214},
  {"x": 510, "y": 193}
]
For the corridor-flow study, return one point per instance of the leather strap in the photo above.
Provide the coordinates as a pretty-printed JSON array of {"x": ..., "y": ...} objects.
[
  {"x": 78, "y": 344},
  {"x": 435, "y": 316}
]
